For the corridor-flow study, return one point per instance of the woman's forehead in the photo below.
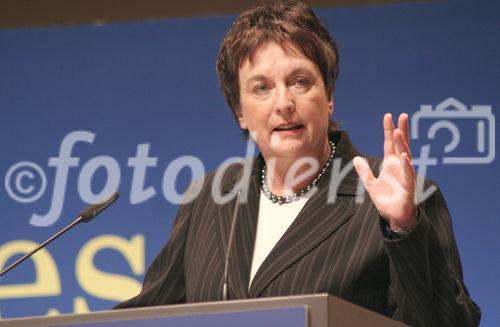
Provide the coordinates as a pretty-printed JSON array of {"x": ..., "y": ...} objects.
[
  {"x": 287, "y": 47},
  {"x": 272, "y": 56}
]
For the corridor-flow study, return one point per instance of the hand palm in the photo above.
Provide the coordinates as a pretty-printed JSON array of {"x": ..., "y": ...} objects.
[{"x": 393, "y": 191}]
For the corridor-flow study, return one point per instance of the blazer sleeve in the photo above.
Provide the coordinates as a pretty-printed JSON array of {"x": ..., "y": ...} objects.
[
  {"x": 164, "y": 281},
  {"x": 427, "y": 287}
]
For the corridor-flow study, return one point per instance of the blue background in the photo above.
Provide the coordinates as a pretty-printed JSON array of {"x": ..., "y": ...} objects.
[{"x": 154, "y": 82}]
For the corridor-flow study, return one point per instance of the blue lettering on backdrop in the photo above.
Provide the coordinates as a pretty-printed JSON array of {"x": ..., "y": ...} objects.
[{"x": 91, "y": 109}]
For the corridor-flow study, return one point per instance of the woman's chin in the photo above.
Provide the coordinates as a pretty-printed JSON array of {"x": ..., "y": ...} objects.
[{"x": 290, "y": 148}]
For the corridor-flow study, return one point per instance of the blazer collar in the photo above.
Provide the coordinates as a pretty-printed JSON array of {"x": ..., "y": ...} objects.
[{"x": 345, "y": 151}]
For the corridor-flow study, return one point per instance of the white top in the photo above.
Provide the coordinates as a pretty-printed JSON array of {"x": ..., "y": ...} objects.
[{"x": 272, "y": 222}]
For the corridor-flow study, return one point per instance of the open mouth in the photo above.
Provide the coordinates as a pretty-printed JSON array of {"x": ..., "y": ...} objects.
[{"x": 288, "y": 127}]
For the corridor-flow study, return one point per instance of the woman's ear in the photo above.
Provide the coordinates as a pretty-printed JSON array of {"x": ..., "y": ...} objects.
[
  {"x": 241, "y": 119},
  {"x": 330, "y": 105}
]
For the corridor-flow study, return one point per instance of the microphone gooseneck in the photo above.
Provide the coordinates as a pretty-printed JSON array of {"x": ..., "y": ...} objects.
[
  {"x": 229, "y": 244},
  {"x": 85, "y": 216}
]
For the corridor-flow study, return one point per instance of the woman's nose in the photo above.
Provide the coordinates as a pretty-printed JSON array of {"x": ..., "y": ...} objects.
[{"x": 284, "y": 100}]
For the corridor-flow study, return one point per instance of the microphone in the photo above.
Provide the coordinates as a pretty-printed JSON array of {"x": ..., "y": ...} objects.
[
  {"x": 85, "y": 216},
  {"x": 93, "y": 210}
]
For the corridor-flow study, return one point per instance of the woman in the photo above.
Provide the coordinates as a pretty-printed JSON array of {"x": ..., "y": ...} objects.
[{"x": 299, "y": 226}]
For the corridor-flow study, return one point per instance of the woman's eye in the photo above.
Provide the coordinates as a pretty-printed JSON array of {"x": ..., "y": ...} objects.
[
  {"x": 261, "y": 89},
  {"x": 301, "y": 82}
]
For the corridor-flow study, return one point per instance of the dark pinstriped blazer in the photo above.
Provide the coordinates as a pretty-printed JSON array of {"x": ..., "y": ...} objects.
[{"x": 335, "y": 247}]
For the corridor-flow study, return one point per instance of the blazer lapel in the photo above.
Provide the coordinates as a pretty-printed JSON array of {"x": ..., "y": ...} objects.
[
  {"x": 241, "y": 252},
  {"x": 317, "y": 221}
]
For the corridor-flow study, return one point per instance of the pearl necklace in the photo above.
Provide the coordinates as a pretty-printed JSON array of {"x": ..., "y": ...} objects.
[{"x": 295, "y": 196}]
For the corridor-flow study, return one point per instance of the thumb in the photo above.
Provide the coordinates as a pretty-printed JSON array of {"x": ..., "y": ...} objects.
[{"x": 364, "y": 171}]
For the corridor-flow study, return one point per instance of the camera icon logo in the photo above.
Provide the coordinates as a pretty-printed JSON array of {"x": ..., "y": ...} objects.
[{"x": 451, "y": 115}]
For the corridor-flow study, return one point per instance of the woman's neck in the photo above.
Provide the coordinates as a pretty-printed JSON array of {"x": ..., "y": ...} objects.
[{"x": 287, "y": 175}]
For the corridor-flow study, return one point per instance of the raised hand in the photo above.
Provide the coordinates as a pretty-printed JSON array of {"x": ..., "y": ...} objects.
[{"x": 393, "y": 191}]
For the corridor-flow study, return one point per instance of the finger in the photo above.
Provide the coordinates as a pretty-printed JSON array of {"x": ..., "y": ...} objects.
[
  {"x": 388, "y": 135},
  {"x": 364, "y": 171},
  {"x": 409, "y": 173},
  {"x": 403, "y": 126},
  {"x": 400, "y": 144},
  {"x": 396, "y": 135}
]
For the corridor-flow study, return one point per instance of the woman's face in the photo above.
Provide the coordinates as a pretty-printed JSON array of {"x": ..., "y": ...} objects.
[{"x": 283, "y": 103}]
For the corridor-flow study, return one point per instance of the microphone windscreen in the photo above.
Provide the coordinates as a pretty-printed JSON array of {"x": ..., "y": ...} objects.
[{"x": 93, "y": 210}]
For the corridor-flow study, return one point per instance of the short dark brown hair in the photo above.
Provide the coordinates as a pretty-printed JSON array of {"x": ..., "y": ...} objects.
[{"x": 288, "y": 23}]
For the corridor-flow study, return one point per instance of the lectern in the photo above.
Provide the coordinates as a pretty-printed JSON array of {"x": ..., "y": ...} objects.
[{"x": 319, "y": 310}]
